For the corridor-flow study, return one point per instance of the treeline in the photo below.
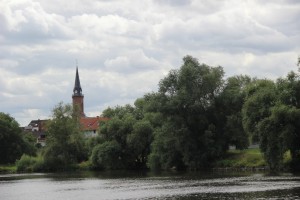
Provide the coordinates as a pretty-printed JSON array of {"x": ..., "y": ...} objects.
[
  {"x": 196, "y": 115},
  {"x": 188, "y": 124}
]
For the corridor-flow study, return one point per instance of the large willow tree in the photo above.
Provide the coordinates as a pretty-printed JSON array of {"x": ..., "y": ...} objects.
[{"x": 190, "y": 135}]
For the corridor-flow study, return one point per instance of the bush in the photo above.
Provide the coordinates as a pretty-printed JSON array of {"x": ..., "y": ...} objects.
[
  {"x": 85, "y": 165},
  {"x": 30, "y": 164},
  {"x": 153, "y": 162},
  {"x": 107, "y": 156}
]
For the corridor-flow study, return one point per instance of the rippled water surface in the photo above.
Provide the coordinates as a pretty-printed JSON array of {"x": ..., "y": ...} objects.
[{"x": 94, "y": 186}]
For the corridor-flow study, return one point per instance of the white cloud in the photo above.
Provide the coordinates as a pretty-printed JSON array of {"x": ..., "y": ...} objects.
[{"x": 124, "y": 47}]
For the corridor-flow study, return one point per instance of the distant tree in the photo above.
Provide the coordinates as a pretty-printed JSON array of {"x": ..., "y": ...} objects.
[
  {"x": 12, "y": 143},
  {"x": 65, "y": 144}
]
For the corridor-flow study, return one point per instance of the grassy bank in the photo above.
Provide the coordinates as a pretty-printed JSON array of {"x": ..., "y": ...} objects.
[
  {"x": 8, "y": 169},
  {"x": 248, "y": 158},
  {"x": 242, "y": 158}
]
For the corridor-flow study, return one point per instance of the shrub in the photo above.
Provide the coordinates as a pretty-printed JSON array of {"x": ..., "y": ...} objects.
[
  {"x": 107, "y": 156},
  {"x": 30, "y": 164},
  {"x": 153, "y": 162}
]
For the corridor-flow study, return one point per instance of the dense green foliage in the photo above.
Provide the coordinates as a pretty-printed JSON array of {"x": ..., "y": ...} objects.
[
  {"x": 271, "y": 115},
  {"x": 189, "y": 123},
  {"x": 201, "y": 116},
  {"x": 30, "y": 163},
  {"x": 65, "y": 144},
  {"x": 126, "y": 139},
  {"x": 12, "y": 143},
  {"x": 190, "y": 135}
]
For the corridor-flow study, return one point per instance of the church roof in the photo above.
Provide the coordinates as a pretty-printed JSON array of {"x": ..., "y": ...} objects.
[{"x": 77, "y": 91}]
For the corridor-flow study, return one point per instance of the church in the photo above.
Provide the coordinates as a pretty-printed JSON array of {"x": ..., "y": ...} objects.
[{"x": 89, "y": 125}]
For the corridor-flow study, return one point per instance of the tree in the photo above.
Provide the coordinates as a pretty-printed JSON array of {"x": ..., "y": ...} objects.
[
  {"x": 128, "y": 131},
  {"x": 261, "y": 96},
  {"x": 190, "y": 135},
  {"x": 289, "y": 96},
  {"x": 12, "y": 144},
  {"x": 64, "y": 139},
  {"x": 139, "y": 141},
  {"x": 229, "y": 110},
  {"x": 107, "y": 155},
  {"x": 271, "y": 114},
  {"x": 277, "y": 133}
]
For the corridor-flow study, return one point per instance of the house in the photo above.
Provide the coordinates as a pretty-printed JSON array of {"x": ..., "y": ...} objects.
[
  {"x": 38, "y": 129},
  {"x": 90, "y": 125}
]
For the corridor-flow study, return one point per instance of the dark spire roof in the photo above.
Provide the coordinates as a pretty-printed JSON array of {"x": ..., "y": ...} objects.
[{"x": 77, "y": 91}]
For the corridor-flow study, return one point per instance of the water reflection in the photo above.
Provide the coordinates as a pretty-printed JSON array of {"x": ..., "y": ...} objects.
[{"x": 121, "y": 185}]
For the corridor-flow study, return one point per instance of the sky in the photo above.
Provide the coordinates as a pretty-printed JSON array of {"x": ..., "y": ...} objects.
[{"x": 123, "y": 48}]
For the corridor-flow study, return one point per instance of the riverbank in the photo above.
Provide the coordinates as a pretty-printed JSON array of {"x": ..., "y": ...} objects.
[
  {"x": 247, "y": 160},
  {"x": 234, "y": 160},
  {"x": 8, "y": 168}
]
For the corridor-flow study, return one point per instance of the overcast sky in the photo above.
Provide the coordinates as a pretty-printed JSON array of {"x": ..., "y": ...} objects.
[{"x": 124, "y": 47}]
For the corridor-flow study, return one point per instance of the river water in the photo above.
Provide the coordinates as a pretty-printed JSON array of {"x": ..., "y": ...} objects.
[{"x": 120, "y": 185}]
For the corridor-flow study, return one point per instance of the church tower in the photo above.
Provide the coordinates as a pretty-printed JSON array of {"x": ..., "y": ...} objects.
[{"x": 77, "y": 95}]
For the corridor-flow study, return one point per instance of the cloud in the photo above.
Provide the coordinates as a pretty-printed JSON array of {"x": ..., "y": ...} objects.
[
  {"x": 26, "y": 22},
  {"x": 131, "y": 62},
  {"x": 124, "y": 47}
]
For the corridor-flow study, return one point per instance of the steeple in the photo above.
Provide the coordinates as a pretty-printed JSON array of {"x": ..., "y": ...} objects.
[
  {"x": 77, "y": 94},
  {"x": 77, "y": 91}
]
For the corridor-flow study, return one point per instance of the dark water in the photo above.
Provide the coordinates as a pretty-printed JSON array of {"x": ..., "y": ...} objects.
[{"x": 118, "y": 185}]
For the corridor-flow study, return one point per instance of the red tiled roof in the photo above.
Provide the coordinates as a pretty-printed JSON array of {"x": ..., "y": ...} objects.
[{"x": 91, "y": 123}]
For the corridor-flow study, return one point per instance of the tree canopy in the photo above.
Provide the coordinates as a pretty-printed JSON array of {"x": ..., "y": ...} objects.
[
  {"x": 271, "y": 116},
  {"x": 65, "y": 145},
  {"x": 190, "y": 122},
  {"x": 12, "y": 143}
]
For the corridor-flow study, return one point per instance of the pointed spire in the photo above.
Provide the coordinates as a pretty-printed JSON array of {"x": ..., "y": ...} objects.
[{"x": 77, "y": 91}]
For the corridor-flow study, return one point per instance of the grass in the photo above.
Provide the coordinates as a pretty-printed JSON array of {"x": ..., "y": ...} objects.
[
  {"x": 8, "y": 169},
  {"x": 242, "y": 158},
  {"x": 84, "y": 166}
]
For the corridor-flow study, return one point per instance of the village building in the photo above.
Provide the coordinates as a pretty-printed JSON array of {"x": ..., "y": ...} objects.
[{"x": 38, "y": 129}]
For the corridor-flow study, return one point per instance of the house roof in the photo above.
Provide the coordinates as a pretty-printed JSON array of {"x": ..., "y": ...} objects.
[
  {"x": 91, "y": 123},
  {"x": 41, "y": 124}
]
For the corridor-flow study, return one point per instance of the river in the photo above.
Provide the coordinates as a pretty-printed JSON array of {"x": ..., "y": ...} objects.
[{"x": 121, "y": 185}]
